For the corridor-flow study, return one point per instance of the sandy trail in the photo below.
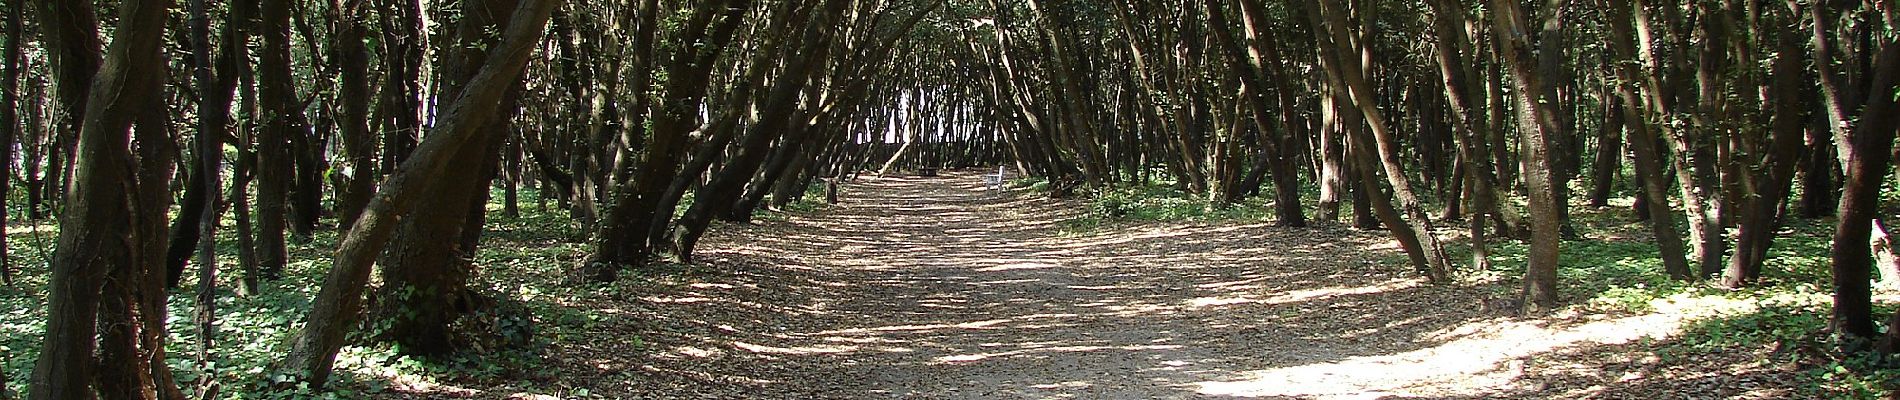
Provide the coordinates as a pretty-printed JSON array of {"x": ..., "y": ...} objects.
[{"x": 931, "y": 288}]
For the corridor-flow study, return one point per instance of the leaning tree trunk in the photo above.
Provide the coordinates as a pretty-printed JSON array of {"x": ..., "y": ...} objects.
[
  {"x": 1346, "y": 69},
  {"x": 776, "y": 116},
  {"x": 199, "y": 206},
  {"x": 1643, "y": 144},
  {"x": 461, "y": 126},
  {"x": 625, "y": 235},
  {"x": 1250, "y": 71},
  {"x": 427, "y": 266}
]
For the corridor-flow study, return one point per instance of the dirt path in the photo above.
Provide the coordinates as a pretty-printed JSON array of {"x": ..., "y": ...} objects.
[{"x": 931, "y": 288}]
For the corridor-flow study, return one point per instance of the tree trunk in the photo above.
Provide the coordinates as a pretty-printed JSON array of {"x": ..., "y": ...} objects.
[
  {"x": 1249, "y": 66},
  {"x": 427, "y": 266},
  {"x": 1760, "y": 219},
  {"x": 1872, "y": 142},
  {"x": 359, "y": 146},
  {"x": 398, "y": 103},
  {"x": 10, "y": 123},
  {"x": 89, "y": 247},
  {"x": 277, "y": 92},
  {"x": 1346, "y": 70},
  {"x": 1643, "y": 143},
  {"x": 776, "y": 115},
  {"x": 1536, "y": 128},
  {"x": 1609, "y": 156},
  {"x": 1454, "y": 51},
  {"x": 333, "y": 311},
  {"x": 624, "y": 233}
]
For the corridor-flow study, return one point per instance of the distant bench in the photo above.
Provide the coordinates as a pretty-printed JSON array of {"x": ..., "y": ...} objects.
[{"x": 995, "y": 181}]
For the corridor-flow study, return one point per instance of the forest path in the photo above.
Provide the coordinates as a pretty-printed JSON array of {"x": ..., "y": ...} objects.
[{"x": 933, "y": 288}]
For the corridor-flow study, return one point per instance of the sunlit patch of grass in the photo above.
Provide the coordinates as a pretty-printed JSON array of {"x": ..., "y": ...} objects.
[
  {"x": 521, "y": 261},
  {"x": 1161, "y": 203},
  {"x": 811, "y": 201},
  {"x": 1615, "y": 267},
  {"x": 1789, "y": 325}
]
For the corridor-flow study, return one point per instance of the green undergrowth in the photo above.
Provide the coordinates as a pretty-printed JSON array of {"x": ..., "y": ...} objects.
[
  {"x": 521, "y": 265},
  {"x": 812, "y": 200},
  {"x": 1613, "y": 267},
  {"x": 1159, "y": 203}
]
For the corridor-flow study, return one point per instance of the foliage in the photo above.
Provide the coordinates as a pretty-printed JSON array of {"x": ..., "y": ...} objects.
[
  {"x": 1793, "y": 325},
  {"x": 518, "y": 266},
  {"x": 1614, "y": 268},
  {"x": 1157, "y": 202}
]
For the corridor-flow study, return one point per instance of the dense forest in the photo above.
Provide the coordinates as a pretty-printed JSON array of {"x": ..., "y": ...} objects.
[{"x": 166, "y": 159}]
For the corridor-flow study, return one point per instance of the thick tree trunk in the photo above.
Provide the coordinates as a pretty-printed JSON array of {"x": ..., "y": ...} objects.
[
  {"x": 277, "y": 93},
  {"x": 1872, "y": 143},
  {"x": 89, "y": 247},
  {"x": 1536, "y": 128},
  {"x": 427, "y": 265},
  {"x": 1760, "y": 219},
  {"x": 461, "y": 127}
]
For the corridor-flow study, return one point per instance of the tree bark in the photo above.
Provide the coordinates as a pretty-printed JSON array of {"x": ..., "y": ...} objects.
[
  {"x": 10, "y": 123},
  {"x": 776, "y": 115},
  {"x": 359, "y": 146},
  {"x": 278, "y": 95},
  {"x": 1643, "y": 143},
  {"x": 1872, "y": 142},
  {"x": 333, "y": 311},
  {"x": 428, "y": 264},
  {"x": 1347, "y": 70},
  {"x": 624, "y": 233},
  {"x": 1760, "y": 219},
  {"x": 105, "y": 195},
  {"x": 1536, "y": 127}
]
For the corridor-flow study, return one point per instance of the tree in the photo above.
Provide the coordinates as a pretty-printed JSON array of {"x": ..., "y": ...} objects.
[
  {"x": 10, "y": 60},
  {"x": 631, "y": 222},
  {"x": 1537, "y": 128},
  {"x": 1761, "y": 212},
  {"x": 334, "y": 310},
  {"x": 428, "y": 263},
  {"x": 1403, "y": 213},
  {"x": 1868, "y": 162},
  {"x": 89, "y": 248}
]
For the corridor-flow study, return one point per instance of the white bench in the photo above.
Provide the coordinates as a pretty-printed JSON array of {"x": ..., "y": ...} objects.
[{"x": 994, "y": 181}]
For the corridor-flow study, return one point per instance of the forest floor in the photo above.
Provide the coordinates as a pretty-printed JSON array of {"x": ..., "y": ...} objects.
[{"x": 932, "y": 288}]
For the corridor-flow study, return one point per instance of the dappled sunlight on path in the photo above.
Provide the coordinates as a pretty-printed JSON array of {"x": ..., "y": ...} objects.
[{"x": 932, "y": 288}]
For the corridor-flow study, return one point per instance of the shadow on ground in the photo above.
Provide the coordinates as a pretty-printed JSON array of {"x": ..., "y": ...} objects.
[{"x": 934, "y": 288}]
